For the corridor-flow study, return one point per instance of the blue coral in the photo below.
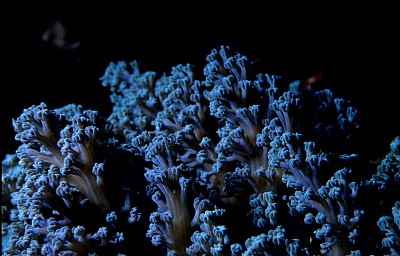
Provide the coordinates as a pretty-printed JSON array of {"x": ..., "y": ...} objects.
[{"x": 227, "y": 163}]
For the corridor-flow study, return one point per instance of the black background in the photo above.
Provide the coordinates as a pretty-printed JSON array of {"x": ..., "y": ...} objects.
[{"x": 353, "y": 44}]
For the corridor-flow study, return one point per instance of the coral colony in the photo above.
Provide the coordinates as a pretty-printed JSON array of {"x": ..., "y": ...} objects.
[{"x": 219, "y": 164}]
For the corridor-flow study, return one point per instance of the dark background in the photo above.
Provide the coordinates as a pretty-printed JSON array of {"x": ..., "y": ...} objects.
[{"x": 353, "y": 44}]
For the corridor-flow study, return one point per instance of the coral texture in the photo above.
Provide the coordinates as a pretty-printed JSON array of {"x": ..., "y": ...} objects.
[{"x": 228, "y": 163}]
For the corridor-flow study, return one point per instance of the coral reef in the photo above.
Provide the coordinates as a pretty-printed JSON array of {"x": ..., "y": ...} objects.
[{"x": 228, "y": 163}]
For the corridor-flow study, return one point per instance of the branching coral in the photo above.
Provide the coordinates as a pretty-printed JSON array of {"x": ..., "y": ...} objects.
[
  {"x": 64, "y": 193},
  {"x": 226, "y": 164}
]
